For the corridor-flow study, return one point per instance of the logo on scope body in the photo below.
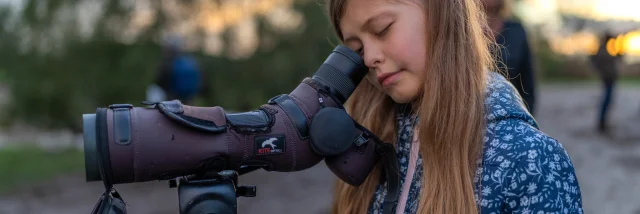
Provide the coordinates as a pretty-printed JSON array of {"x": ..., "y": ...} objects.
[{"x": 270, "y": 144}]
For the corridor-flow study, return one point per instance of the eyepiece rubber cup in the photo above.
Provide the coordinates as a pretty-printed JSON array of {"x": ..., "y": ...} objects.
[{"x": 342, "y": 71}]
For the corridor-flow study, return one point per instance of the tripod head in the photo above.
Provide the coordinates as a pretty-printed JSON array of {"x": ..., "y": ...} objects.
[{"x": 214, "y": 192}]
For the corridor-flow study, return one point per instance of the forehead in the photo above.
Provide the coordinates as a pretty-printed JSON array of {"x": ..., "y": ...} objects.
[{"x": 357, "y": 12}]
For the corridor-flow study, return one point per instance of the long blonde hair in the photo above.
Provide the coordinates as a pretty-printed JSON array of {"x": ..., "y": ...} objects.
[{"x": 450, "y": 109}]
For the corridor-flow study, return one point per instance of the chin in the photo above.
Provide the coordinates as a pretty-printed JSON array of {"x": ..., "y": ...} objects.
[
  {"x": 403, "y": 96},
  {"x": 401, "y": 99}
]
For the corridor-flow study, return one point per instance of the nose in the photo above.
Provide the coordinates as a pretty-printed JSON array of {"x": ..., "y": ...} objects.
[{"x": 373, "y": 56}]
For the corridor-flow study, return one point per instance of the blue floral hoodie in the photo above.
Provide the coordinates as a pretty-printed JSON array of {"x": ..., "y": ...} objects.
[{"x": 523, "y": 170}]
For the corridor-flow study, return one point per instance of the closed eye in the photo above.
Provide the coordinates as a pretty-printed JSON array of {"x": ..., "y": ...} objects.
[{"x": 384, "y": 31}]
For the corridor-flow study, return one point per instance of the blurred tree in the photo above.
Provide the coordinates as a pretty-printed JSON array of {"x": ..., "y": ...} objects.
[{"x": 55, "y": 73}]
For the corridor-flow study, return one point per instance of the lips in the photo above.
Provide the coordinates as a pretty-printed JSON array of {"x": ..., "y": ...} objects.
[{"x": 387, "y": 78}]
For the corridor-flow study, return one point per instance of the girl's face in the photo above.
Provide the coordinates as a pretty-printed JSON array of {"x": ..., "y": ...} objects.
[{"x": 391, "y": 37}]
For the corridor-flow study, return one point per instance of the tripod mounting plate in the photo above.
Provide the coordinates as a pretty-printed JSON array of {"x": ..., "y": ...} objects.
[{"x": 212, "y": 193}]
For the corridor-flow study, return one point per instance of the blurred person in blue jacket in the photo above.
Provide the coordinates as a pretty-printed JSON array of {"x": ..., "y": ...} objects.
[
  {"x": 606, "y": 65},
  {"x": 179, "y": 74},
  {"x": 514, "y": 56}
]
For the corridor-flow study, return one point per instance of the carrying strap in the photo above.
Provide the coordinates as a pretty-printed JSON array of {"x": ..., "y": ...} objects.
[
  {"x": 103, "y": 148},
  {"x": 390, "y": 167},
  {"x": 198, "y": 118},
  {"x": 110, "y": 202}
]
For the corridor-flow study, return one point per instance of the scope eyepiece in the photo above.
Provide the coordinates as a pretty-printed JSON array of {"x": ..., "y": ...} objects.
[{"x": 342, "y": 71}]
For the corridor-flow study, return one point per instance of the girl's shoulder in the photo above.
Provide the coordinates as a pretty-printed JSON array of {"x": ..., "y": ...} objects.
[
  {"x": 523, "y": 169},
  {"x": 518, "y": 140},
  {"x": 526, "y": 171},
  {"x": 511, "y": 132}
]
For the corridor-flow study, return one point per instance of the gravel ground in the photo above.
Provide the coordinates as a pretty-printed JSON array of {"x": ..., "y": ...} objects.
[{"x": 608, "y": 167}]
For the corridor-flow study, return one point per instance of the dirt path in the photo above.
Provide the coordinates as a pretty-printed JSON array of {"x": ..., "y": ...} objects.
[
  {"x": 608, "y": 168},
  {"x": 301, "y": 192}
]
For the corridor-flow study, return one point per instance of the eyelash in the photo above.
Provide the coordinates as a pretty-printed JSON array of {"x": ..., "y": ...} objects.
[
  {"x": 384, "y": 31},
  {"x": 379, "y": 34}
]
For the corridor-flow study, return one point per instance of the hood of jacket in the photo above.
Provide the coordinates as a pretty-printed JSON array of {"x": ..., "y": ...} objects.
[{"x": 502, "y": 101}]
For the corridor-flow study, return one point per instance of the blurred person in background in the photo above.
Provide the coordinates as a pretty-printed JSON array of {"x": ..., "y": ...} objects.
[
  {"x": 606, "y": 65},
  {"x": 179, "y": 75},
  {"x": 465, "y": 142},
  {"x": 513, "y": 55}
]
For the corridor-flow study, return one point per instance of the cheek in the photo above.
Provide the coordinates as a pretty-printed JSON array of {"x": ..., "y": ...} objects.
[{"x": 410, "y": 52}]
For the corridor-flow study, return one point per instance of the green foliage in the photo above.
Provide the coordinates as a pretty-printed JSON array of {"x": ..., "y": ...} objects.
[
  {"x": 20, "y": 166},
  {"x": 54, "y": 90},
  {"x": 549, "y": 62},
  {"x": 245, "y": 84}
]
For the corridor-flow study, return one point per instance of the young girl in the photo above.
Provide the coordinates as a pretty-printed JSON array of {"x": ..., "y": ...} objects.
[{"x": 465, "y": 141}]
